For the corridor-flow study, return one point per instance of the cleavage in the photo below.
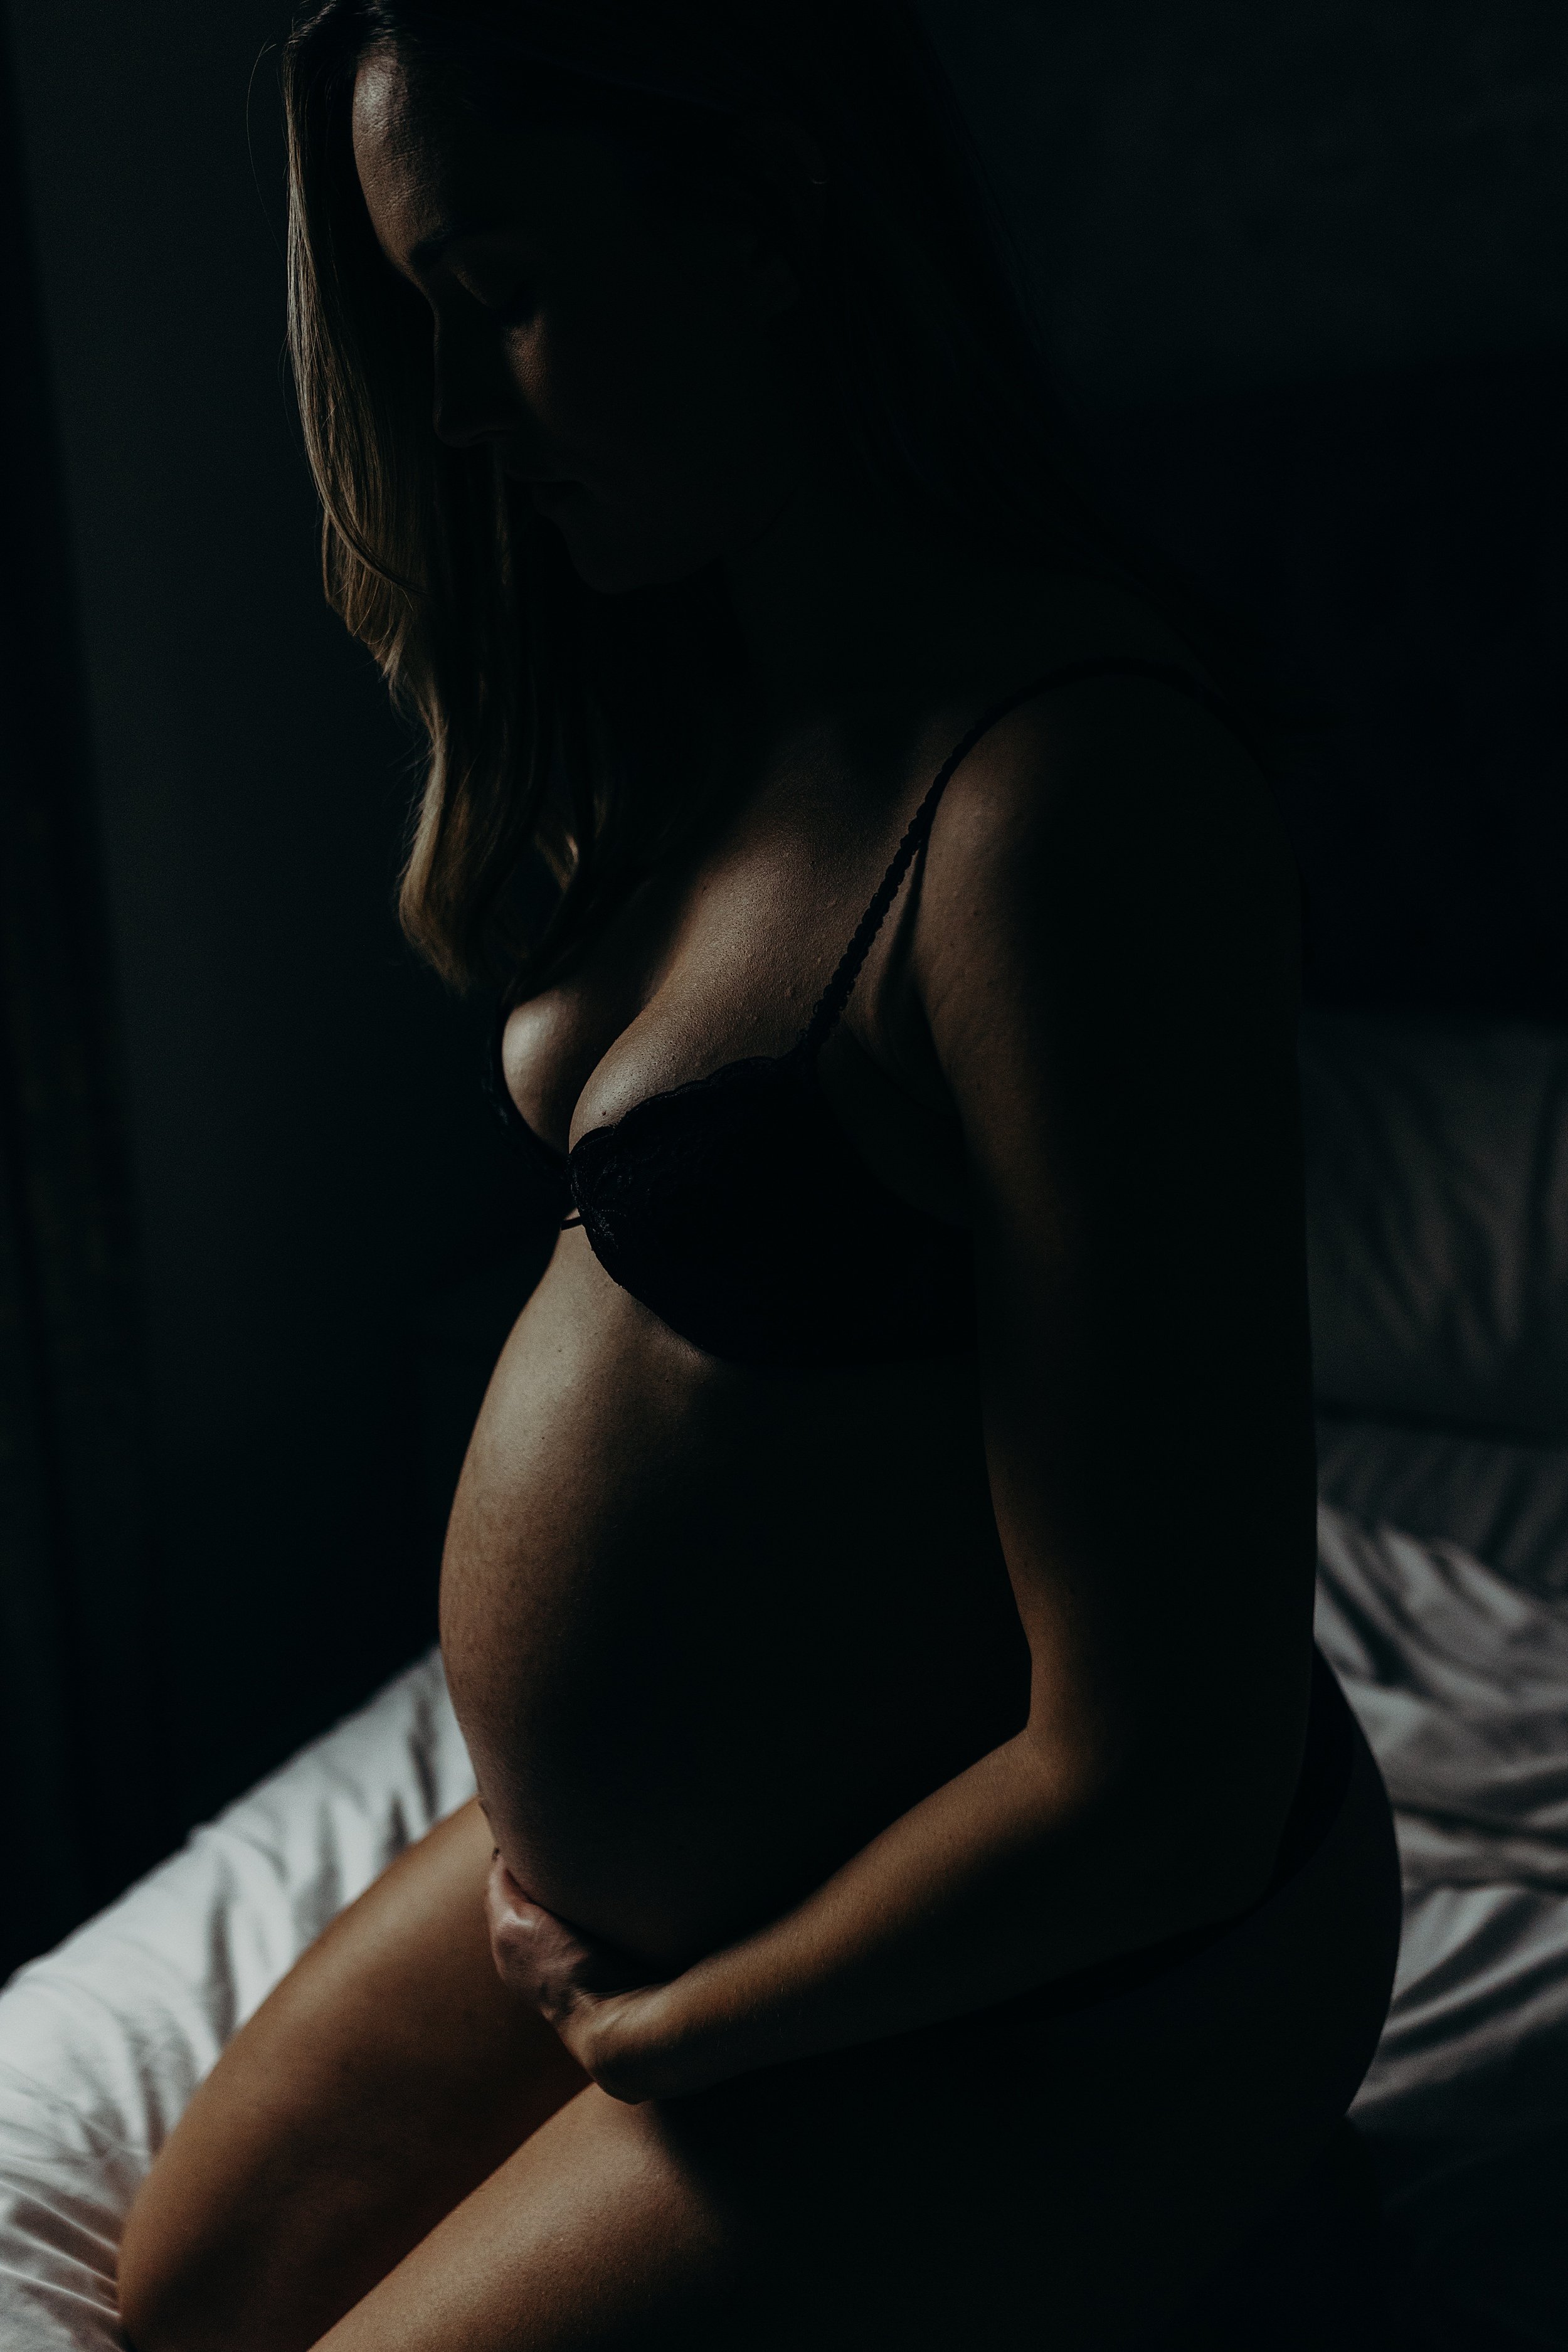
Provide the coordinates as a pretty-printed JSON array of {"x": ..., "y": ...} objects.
[
  {"x": 664, "y": 1002},
  {"x": 911, "y": 1149}
]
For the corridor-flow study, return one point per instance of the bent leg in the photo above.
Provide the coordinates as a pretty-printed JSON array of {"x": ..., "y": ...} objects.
[
  {"x": 853, "y": 2206},
  {"x": 381, "y": 2082},
  {"x": 1055, "y": 2183}
]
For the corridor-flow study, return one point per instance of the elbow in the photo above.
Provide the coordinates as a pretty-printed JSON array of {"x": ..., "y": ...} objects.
[
  {"x": 1222, "y": 1847},
  {"x": 1200, "y": 1868},
  {"x": 1186, "y": 1847}
]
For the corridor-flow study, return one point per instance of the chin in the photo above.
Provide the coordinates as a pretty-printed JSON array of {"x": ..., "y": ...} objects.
[
  {"x": 619, "y": 572},
  {"x": 616, "y": 564}
]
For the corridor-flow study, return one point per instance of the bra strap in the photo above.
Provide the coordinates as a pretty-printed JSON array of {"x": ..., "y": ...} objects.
[{"x": 830, "y": 1005}]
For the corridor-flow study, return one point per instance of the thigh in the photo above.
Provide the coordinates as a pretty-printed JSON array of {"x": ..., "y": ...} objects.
[
  {"x": 384, "y": 2078},
  {"x": 844, "y": 2211},
  {"x": 1025, "y": 2184}
]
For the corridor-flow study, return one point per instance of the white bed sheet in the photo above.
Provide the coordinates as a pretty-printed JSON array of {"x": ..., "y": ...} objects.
[
  {"x": 1460, "y": 1678},
  {"x": 103, "y": 2042}
]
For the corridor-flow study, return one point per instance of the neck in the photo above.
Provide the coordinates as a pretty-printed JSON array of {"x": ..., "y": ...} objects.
[{"x": 832, "y": 603}]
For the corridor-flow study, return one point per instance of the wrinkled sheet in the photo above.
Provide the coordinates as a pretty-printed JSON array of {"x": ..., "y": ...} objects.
[
  {"x": 1505, "y": 1501},
  {"x": 1436, "y": 1167},
  {"x": 1460, "y": 1681},
  {"x": 1460, "y": 1678},
  {"x": 103, "y": 2042},
  {"x": 1461, "y": 1684}
]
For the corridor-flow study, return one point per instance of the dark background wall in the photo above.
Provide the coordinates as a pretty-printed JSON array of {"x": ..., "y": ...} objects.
[
  {"x": 1305, "y": 270},
  {"x": 310, "y": 1149},
  {"x": 1306, "y": 275},
  {"x": 1218, "y": 196}
]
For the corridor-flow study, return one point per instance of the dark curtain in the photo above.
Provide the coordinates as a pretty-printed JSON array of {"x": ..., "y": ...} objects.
[{"x": 82, "y": 1783}]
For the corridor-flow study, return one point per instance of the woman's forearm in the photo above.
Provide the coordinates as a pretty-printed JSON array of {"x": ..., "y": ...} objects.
[{"x": 1000, "y": 1880}]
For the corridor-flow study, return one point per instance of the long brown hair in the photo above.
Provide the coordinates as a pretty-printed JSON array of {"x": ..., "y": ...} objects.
[{"x": 565, "y": 725}]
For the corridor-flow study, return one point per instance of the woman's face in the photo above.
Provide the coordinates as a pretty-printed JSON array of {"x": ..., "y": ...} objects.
[{"x": 629, "y": 361}]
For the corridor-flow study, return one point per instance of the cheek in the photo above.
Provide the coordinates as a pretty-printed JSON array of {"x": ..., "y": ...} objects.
[
  {"x": 651, "y": 380},
  {"x": 617, "y": 389},
  {"x": 678, "y": 444}
]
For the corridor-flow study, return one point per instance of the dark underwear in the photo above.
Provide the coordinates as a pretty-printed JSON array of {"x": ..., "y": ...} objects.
[{"x": 1327, "y": 1763}]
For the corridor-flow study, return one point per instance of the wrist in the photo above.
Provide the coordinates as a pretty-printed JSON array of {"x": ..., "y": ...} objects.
[{"x": 637, "y": 2048}]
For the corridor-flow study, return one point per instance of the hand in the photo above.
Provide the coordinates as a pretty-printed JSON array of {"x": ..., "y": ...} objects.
[{"x": 594, "y": 1997}]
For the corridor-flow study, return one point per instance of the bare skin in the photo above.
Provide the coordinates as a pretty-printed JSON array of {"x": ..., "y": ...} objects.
[{"x": 810, "y": 1709}]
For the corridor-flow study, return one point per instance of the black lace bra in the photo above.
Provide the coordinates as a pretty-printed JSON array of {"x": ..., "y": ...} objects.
[{"x": 736, "y": 1208}]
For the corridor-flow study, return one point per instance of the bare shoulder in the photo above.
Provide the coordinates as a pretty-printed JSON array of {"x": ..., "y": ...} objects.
[{"x": 1116, "y": 836}]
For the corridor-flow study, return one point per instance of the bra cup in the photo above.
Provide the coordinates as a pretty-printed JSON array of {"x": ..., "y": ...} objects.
[{"x": 737, "y": 1211}]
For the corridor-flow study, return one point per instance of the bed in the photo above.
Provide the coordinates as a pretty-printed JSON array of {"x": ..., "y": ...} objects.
[{"x": 1438, "y": 1189}]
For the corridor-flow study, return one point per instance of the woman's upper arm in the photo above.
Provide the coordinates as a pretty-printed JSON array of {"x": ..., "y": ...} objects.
[{"x": 1108, "y": 952}]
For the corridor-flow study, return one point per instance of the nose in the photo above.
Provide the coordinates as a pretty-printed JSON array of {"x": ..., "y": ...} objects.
[{"x": 476, "y": 398}]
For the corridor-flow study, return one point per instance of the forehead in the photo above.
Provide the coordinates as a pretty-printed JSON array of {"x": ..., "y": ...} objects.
[{"x": 431, "y": 162}]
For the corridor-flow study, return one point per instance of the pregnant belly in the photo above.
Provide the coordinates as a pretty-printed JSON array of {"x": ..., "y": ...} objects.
[{"x": 707, "y": 1630}]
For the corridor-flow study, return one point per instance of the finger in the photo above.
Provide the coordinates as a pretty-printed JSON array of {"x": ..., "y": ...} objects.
[
  {"x": 518, "y": 1919},
  {"x": 508, "y": 1889}
]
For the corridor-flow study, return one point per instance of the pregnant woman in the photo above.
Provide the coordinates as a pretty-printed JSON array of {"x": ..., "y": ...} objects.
[{"x": 922, "y": 1890}]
